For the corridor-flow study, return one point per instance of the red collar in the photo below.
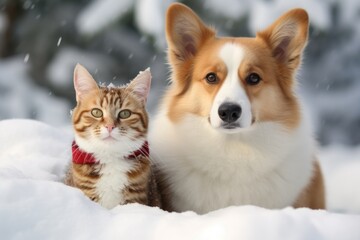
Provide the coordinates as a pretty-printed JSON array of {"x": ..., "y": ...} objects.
[{"x": 81, "y": 157}]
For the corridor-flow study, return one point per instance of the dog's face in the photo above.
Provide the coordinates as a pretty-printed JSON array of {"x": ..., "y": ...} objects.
[{"x": 234, "y": 82}]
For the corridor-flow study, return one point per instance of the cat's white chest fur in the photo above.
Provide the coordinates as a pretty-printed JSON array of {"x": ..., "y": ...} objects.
[{"x": 113, "y": 180}]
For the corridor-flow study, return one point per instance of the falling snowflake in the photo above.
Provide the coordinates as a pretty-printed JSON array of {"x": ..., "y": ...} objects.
[
  {"x": 26, "y": 58},
  {"x": 59, "y": 41}
]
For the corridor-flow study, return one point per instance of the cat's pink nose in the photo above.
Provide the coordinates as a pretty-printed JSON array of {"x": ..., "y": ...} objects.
[{"x": 110, "y": 127}]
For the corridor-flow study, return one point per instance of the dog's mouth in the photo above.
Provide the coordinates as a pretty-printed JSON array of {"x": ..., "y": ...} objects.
[{"x": 230, "y": 127}]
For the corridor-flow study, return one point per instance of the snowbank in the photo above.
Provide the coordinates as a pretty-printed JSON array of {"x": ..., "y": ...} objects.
[{"x": 35, "y": 205}]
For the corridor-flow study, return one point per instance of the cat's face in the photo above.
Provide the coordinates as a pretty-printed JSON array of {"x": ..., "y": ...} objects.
[{"x": 110, "y": 119}]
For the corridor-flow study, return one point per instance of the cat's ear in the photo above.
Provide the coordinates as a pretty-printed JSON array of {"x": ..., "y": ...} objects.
[
  {"x": 83, "y": 82},
  {"x": 140, "y": 86}
]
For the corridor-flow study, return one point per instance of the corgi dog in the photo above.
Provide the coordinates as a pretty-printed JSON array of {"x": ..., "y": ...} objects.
[{"x": 230, "y": 129}]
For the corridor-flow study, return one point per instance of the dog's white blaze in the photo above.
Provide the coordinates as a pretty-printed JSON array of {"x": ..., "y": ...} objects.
[{"x": 231, "y": 90}]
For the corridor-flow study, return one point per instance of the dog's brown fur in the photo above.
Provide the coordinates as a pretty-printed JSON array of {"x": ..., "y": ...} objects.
[
  {"x": 273, "y": 56},
  {"x": 313, "y": 195}
]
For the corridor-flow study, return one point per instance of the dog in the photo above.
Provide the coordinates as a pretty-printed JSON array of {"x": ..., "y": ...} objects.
[{"x": 230, "y": 129}]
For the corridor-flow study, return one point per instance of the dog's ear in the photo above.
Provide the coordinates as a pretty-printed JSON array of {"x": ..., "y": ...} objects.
[
  {"x": 287, "y": 37},
  {"x": 185, "y": 32}
]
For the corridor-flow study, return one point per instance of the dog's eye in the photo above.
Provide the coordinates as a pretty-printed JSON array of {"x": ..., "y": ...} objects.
[
  {"x": 253, "y": 79},
  {"x": 211, "y": 78}
]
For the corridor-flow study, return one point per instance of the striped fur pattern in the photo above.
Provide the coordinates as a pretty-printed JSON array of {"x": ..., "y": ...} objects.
[{"x": 111, "y": 123}]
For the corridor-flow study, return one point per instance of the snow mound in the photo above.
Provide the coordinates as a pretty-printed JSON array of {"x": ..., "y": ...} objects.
[
  {"x": 33, "y": 150},
  {"x": 34, "y": 204}
]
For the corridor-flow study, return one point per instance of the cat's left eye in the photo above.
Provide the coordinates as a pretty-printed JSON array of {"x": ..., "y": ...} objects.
[
  {"x": 124, "y": 114},
  {"x": 96, "y": 113}
]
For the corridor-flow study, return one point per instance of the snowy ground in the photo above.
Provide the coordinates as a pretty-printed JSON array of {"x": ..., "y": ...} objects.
[{"x": 35, "y": 205}]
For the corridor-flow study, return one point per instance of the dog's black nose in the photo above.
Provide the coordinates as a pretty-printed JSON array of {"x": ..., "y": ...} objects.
[{"x": 229, "y": 112}]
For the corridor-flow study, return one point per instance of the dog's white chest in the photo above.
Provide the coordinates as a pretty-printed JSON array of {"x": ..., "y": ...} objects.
[
  {"x": 206, "y": 171},
  {"x": 204, "y": 193}
]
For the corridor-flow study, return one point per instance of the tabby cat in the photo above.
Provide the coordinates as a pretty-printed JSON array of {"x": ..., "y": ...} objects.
[{"x": 110, "y": 161}]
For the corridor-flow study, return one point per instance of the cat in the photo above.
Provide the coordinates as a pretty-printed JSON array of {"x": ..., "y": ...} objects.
[{"x": 110, "y": 153}]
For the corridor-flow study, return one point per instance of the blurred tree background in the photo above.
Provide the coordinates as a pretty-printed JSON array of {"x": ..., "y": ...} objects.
[{"x": 42, "y": 40}]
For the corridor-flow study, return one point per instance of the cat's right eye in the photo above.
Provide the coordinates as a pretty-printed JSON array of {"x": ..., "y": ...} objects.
[{"x": 96, "y": 113}]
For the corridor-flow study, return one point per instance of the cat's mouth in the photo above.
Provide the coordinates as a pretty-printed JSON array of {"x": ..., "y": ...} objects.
[{"x": 108, "y": 138}]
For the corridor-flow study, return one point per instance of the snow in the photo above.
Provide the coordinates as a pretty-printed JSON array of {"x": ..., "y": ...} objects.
[
  {"x": 262, "y": 13},
  {"x": 149, "y": 17},
  {"x": 233, "y": 9},
  {"x": 149, "y": 14},
  {"x": 61, "y": 68},
  {"x": 349, "y": 11},
  {"x": 101, "y": 13},
  {"x": 59, "y": 42},
  {"x": 26, "y": 58},
  {"x": 20, "y": 97},
  {"x": 34, "y": 204},
  {"x": 150, "y": 20},
  {"x": 343, "y": 165},
  {"x": 339, "y": 102}
]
